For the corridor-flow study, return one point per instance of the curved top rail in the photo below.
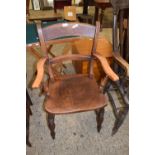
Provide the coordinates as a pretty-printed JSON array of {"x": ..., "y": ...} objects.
[{"x": 65, "y": 30}]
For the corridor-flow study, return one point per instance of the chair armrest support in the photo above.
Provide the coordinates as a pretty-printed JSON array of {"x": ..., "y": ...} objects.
[
  {"x": 106, "y": 67},
  {"x": 123, "y": 63},
  {"x": 40, "y": 73}
]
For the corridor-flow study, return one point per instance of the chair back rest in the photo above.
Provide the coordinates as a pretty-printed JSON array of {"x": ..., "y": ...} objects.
[
  {"x": 61, "y": 30},
  {"x": 66, "y": 31}
]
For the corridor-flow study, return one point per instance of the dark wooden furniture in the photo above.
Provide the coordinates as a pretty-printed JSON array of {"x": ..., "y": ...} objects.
[
  {"x": 28, "y": 114},
  {"x": 123, "y": 85},
  {"x": 85, "y": 4},
  {"x": 85, "y": 17},
  {"x": 104, "y": 48},
  {"x": 76, "y": 92},
  {"x": 119, "y": 51},
  {"x": 117, "y": 6},
  {"x": 123, "y": 25},
  {"x": 59, "y": 4},
  {"x": 27, "y": 6},
  {"x": 101, "y": 5}
]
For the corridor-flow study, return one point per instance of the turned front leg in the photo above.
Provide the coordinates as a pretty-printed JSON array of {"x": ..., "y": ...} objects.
[
  {"x": 51, "y": 124},
  {"x": 99, "y": 118},
  {"x": 27, "y": 126}
]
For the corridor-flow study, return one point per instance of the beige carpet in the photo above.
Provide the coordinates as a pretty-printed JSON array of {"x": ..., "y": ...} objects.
[{"x": 76, "y": 134}]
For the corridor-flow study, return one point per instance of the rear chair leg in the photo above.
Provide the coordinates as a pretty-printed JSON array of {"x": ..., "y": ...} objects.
[
  {"x": 99, "y": 118},
  {"x": 27, "y": 127},
  {"x": 28, "y": 113},
  {"x": 120, "y": 119},
  {"x": 51, "y": 124},
  {"x": 120, "y": 113}
]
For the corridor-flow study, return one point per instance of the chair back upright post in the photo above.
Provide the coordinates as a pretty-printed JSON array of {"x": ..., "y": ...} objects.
[
  {"x": 96, "y": 34},
  {"x": 41, "y": 38},
  {"x": 68, "y": 31},
  {"x": 44, "y": 49}
]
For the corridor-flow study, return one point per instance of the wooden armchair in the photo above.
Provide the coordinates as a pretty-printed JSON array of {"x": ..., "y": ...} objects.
[{"x": 74, "y": 92}]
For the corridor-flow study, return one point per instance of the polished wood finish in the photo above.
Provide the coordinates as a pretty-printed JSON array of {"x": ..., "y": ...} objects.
[
  {"x": 104, "y": 49},
  {"x": 40, "y": 73},
  {"x": 84, "y": 46},
  {"x": 73, "y": 95},
  {"x": 53, "y": 32},
  {"x": 104, "y": 63}
]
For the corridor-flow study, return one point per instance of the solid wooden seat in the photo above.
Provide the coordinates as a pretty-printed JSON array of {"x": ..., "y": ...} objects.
[{"x": 73, "y": 95}]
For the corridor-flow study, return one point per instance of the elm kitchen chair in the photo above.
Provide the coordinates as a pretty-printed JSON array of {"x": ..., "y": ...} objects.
[{"x": 70, "y": 93}]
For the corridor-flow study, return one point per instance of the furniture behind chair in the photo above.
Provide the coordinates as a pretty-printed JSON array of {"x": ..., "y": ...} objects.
[
  {"x": 59, "y": 4},
  {"x": 101, "y": 4}
]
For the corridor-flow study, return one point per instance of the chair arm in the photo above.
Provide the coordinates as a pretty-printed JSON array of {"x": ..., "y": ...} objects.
[
  {"x": 40, "y": 73},
  {"x": 123, "y": 63},
  {"x": 106, "y": 67}
]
